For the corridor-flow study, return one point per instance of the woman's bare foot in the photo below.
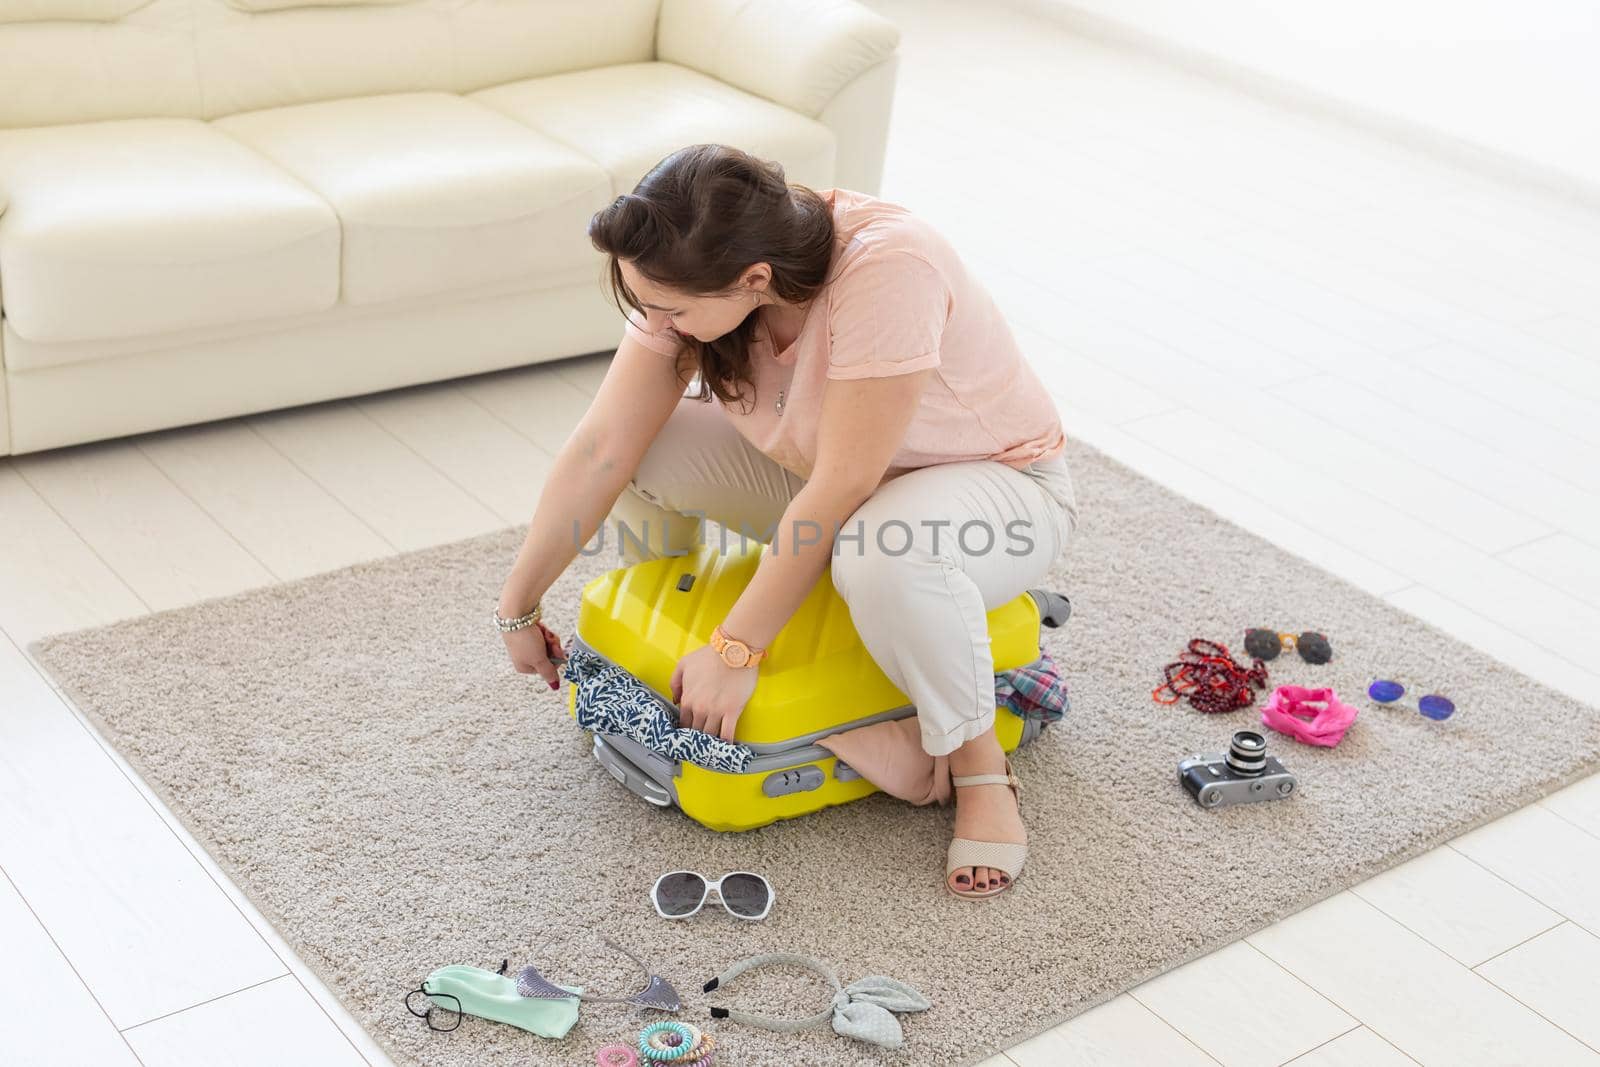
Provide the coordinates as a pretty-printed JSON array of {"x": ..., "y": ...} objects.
[{"x": 984, "y": 812}]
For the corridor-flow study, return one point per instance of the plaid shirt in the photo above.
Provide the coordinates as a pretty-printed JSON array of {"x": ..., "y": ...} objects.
[{"x": 1034, "y": 691}]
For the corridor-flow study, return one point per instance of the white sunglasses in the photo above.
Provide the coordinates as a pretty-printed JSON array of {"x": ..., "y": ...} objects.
[{"x": 679, "y": 894}]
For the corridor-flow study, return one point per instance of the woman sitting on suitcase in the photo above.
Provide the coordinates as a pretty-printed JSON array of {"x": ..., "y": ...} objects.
[{"x": 870, "y": 393}]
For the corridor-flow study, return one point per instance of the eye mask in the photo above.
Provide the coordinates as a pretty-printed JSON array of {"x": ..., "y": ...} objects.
[
  {"x": 657, "y": 992},
  {"x": 475, "y": 991}
]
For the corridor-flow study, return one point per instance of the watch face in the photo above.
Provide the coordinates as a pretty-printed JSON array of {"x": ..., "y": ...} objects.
[{"x": 736, "y": 654}]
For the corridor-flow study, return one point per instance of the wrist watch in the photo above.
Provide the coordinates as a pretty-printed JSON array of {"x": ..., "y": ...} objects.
[{"x": 734, "y": 652}]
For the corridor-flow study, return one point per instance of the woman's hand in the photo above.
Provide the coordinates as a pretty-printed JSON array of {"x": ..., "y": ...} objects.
[
  {"x": 533, "y": 648},
  {"x": 710, "y": 694}
]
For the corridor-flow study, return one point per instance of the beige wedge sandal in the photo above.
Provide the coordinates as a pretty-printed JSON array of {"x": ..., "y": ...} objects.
[{"x": 1003, "y": 856}]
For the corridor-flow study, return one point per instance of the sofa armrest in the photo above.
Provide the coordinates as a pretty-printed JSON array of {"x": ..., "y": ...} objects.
[{"x": 798, "y": 53}]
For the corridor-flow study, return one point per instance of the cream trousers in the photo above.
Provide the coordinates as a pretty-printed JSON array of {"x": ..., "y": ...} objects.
[{"x": 920, "y": 563}]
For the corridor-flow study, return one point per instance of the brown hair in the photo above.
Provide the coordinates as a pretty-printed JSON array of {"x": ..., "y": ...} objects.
[{"x": 695, "y": 223}]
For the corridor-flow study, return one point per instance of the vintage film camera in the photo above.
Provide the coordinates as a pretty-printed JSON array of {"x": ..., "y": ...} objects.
[{"x": 1242, "y": 775}]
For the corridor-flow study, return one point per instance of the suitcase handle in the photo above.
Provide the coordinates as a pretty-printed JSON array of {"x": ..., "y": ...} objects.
[{"x": 1054, "y": 608}]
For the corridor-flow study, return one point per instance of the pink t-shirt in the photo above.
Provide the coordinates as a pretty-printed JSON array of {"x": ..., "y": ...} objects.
[{"x": 899, "y": 299}]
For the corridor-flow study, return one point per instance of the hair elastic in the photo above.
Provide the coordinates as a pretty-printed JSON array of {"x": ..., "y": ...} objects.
[
  {"x": 698, "y": 1056},
  {"x": 616, "y": 1054},
  {"x": 656, "y": 1044}
]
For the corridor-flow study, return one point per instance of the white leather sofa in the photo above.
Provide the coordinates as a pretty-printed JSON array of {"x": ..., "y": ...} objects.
[{"x": 215, "y": 207}]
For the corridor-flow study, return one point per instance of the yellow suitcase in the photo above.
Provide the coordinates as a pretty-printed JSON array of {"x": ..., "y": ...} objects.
[{"x": 817, "y": 679}]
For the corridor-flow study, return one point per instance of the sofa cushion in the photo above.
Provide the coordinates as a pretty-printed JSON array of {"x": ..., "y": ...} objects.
[
  {"x": 144, "y": 226},
  {"x": 435, "y": 192},
  {"x": 597, "y": 112},
  {"x": 67, "y": 10},
  {"x": 207, "y": 58},
  {"x": 284, "y": 5},
  {"x": 797, "y": 55}
]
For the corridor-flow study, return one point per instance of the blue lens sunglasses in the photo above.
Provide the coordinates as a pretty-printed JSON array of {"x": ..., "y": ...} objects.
[{"x": 1432, "y": 706}]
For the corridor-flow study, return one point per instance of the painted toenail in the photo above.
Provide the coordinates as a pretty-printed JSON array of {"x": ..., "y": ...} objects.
[{"x": 962, "y": 880}]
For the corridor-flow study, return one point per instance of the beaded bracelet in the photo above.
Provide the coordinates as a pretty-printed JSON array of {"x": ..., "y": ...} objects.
[
  {"x": 1212, "y": 680},
  {"x": 521, "y": 622},
  {"x": 667, "y": 1049}
]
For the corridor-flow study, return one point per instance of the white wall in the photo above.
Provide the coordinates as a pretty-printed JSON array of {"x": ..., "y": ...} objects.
[{"x": 1520, "y": 79}]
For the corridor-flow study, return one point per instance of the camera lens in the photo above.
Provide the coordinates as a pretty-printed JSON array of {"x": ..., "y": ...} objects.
[{"x": 1247, "y": 753}]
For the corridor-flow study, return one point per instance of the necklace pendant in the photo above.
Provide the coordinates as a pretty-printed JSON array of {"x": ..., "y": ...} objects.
[{"x": 778, "y": 404}]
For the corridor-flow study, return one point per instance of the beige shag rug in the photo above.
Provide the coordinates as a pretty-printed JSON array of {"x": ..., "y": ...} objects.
[{"x": 357, "y": 753}]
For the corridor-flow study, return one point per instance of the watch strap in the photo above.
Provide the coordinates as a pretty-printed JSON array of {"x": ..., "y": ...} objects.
[{"x": 720, "y": 639}]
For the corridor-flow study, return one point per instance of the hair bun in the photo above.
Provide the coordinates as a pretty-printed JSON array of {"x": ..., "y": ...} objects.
[{"x": 641, "y": 212}]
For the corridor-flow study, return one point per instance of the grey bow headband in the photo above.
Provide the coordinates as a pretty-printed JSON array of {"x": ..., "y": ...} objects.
[{"x": 862, "y": 1010}]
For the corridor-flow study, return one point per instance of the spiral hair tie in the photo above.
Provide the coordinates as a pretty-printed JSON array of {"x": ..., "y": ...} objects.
[
  {"x": 657, "y": 1045},
  {"x": 616, "y": 1054},
  {"x": 702, "y": 1054},
  {"x": 692, "y": 1051}
]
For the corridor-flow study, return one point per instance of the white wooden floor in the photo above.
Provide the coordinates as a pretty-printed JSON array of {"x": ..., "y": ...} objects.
[{"x": 1386, "y": 365}]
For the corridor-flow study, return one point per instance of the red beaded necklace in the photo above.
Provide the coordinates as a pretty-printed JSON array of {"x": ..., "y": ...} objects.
[{"x": 1210, "y": 677}]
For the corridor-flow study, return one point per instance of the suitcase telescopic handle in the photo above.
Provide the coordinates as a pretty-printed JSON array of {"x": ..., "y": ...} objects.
[{"x": 1054, "y": 608}]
